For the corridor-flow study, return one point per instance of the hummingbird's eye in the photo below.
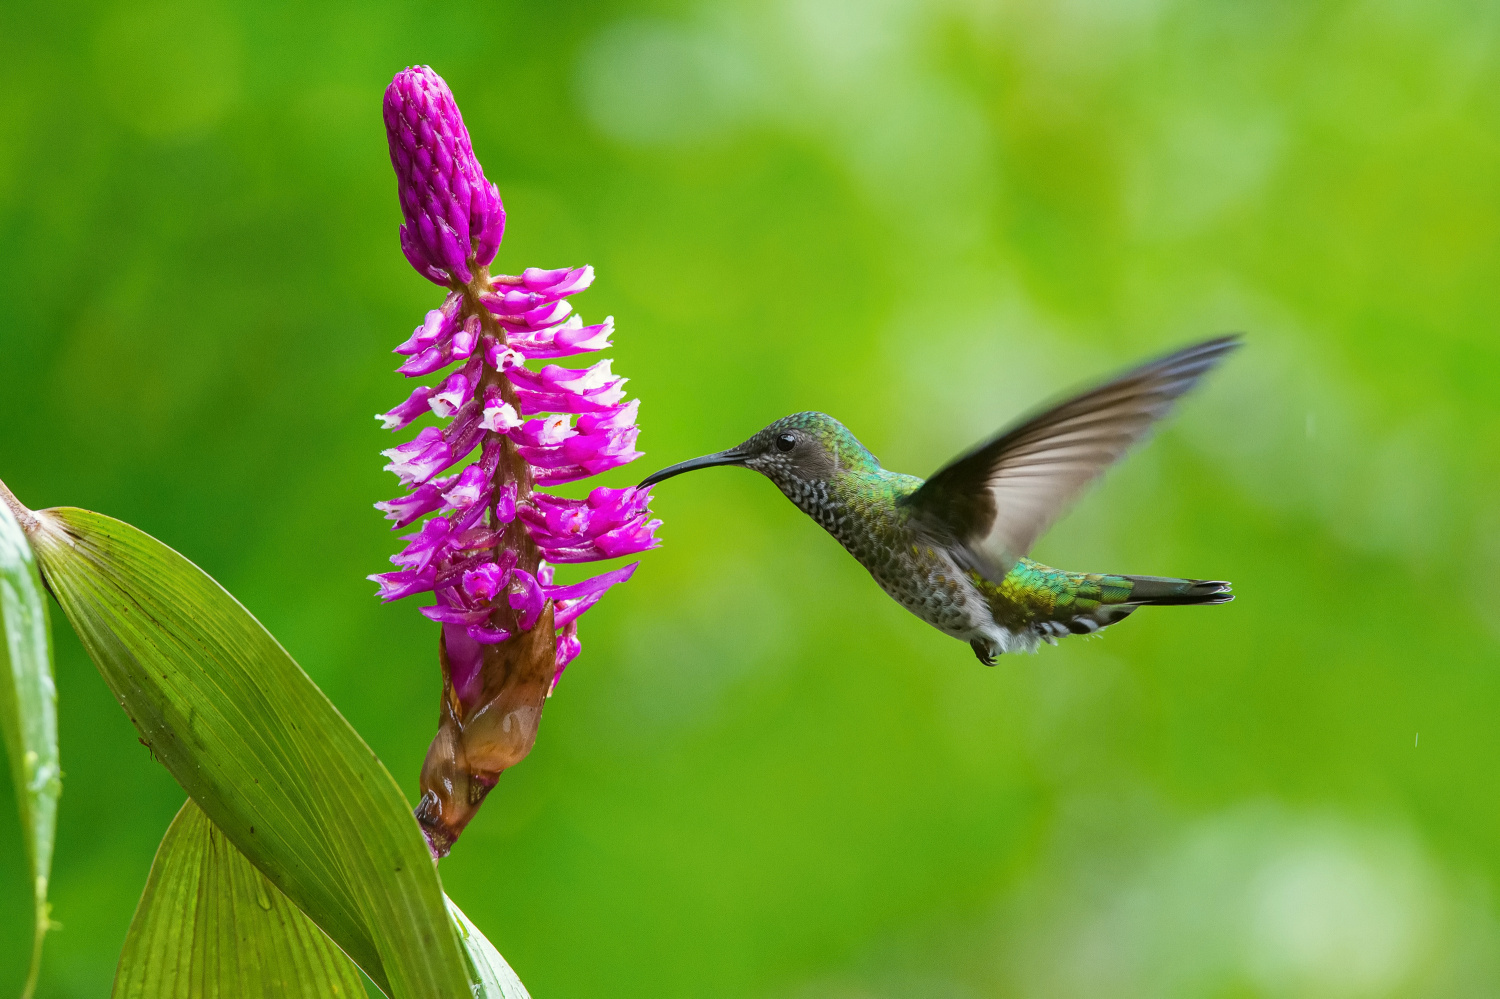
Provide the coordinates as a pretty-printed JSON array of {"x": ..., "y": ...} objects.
[{"x": 785, "y": 442}]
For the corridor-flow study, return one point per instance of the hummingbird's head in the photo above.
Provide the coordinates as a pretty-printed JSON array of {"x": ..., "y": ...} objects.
[{"x": 795, "y": 452}]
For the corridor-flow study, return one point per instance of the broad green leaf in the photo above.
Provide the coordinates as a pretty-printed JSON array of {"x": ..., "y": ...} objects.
[
  {"x": 486, "y": 966},
  {"x": 210, "y": 925},
  {"x": 257, "y": 746},
  {"x": 28, "y": 710}
]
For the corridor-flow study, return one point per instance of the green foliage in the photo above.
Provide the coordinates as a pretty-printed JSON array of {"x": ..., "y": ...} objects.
[
  {"x": 210, "y": 925},
  {"x": 28, "y": 712},
  {"x": 257, "y": 745}
]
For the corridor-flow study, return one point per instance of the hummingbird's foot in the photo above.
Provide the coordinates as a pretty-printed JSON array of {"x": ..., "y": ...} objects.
[{"x": 982, "y": 650}]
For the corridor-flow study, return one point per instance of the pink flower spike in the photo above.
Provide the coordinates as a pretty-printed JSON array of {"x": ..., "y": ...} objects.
[{"x": 467, "y": 549}]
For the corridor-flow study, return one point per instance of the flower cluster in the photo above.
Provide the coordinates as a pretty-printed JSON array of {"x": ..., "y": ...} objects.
[{"x": 504, "y": 428}]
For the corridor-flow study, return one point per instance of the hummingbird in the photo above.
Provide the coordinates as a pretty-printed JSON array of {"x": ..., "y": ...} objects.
[{"x": 952, "y": 549}]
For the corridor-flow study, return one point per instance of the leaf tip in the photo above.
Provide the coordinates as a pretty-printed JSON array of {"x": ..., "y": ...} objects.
[{"x": 24, "y": 516}]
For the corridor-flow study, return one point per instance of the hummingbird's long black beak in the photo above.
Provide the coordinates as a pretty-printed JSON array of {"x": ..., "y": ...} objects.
[{"x": 730, "y": 457}]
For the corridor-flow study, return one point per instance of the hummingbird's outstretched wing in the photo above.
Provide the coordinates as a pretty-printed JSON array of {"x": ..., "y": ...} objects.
[{"x": 998, "y": 498}]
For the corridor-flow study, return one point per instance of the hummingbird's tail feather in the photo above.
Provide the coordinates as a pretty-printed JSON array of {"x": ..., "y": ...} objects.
[
  {"x": 1164, "y": 591},
  {"x": 1036, "y": 602}
]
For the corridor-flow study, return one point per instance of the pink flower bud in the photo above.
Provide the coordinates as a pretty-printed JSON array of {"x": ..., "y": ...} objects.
[{"x": 454, "y": 218}]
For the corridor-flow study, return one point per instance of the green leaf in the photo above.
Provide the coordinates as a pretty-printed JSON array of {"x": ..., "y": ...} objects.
[
  {"x": 210, "y": 924},
  {"x": 486, "y": 966},
  {"x": 28, "y": 710},
  {"x": 257, "y": 746}
]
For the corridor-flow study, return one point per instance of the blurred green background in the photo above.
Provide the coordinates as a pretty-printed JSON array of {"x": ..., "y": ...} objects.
[{"x": 763, "y": 778}]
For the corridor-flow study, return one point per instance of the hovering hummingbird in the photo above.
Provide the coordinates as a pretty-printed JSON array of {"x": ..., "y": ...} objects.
[{"x": 952, "y": 550}]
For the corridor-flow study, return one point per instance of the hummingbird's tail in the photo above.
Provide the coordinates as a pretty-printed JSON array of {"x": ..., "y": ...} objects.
[
  {"x": 1048, "y": 604},
  {"x": 1164, "y": 591}
]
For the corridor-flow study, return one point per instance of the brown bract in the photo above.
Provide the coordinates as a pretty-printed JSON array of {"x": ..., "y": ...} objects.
[{"x": 475, "y": 745}]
